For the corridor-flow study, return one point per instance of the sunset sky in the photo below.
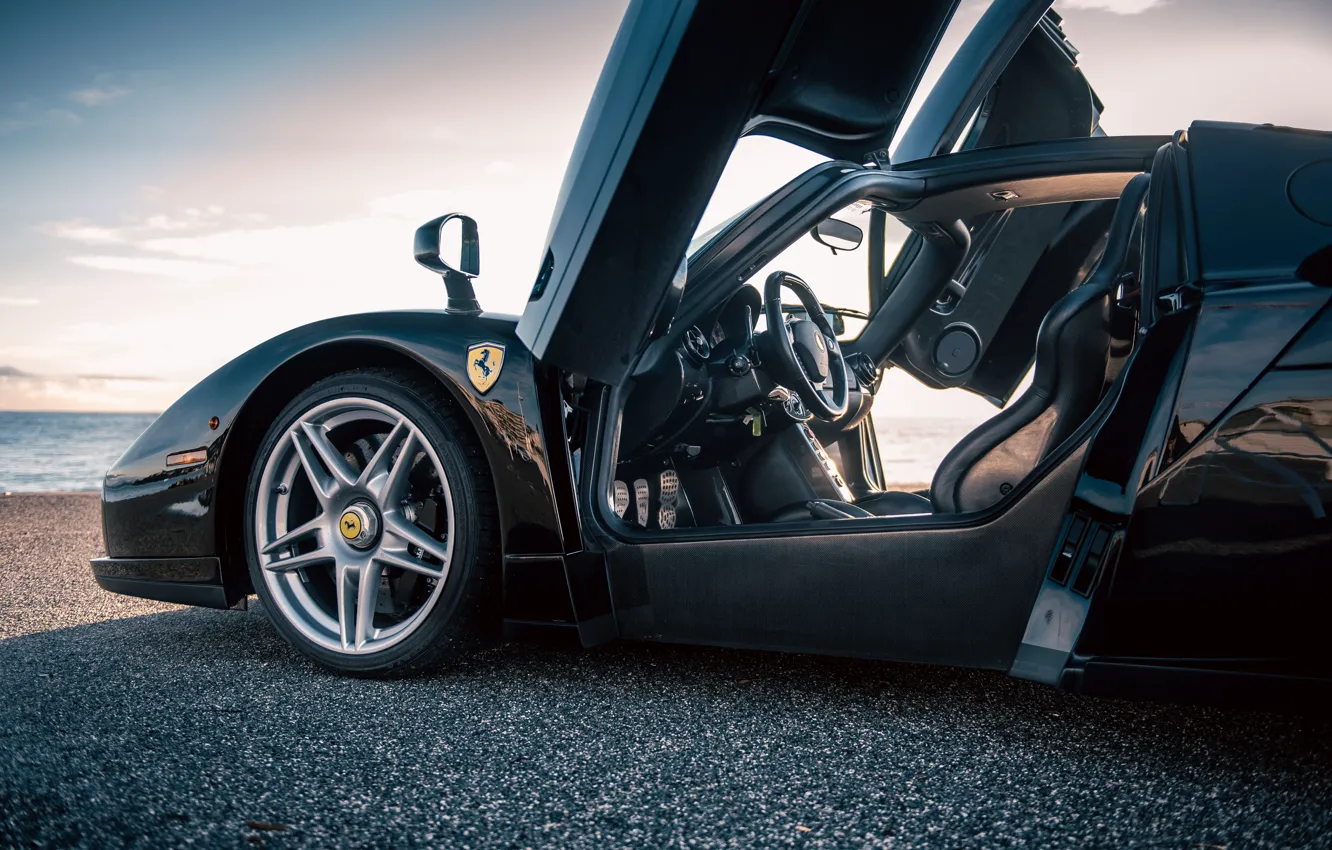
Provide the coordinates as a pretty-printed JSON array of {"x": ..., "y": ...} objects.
[{"x": 183, "y": 180}]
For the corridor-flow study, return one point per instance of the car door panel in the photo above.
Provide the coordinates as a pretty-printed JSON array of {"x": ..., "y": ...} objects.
[
  {"x": 683, "y": 81},
  {"x": 935, "y": 593},
  {"x": 653, "y": 144},
  {"x": 973, "y": 70},
  {"x": 1040, "y": 95}
]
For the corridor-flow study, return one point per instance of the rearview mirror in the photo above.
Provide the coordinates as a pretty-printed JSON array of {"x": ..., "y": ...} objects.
[
  {"x": 461, "y": 245},
  {"x": 837, "y": 235},
  {"x": 838, "y": 323},
  {"x": 834, "y": 315}
]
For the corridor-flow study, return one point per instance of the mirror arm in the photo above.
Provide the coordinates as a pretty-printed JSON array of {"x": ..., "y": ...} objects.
[{"x": 461, "y": 295}]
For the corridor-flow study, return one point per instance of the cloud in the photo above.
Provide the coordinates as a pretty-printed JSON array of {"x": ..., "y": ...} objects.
[
  {"x": 194, "y": 218},
  {"x": 9, "y": 301},
  {"x": 1119, "y": 7},
  {"x": 97, "y": 377},
  {"x": 26, "y": 118},
  {"x": 78, "y": 230},
  {"x": 62, "y": 117},
  {"x": 20, "y": 390},
  {"x": 185, "y": 270},
  {"x": 162, "y": 222},
  {"x": 98, "y": 95},
  {"x": 15, "y": 372}
]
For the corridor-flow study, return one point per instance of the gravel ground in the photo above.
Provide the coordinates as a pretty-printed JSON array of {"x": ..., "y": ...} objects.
[{"x": 134, "y": 723}]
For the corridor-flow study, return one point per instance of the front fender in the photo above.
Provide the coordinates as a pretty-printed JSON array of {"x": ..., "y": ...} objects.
[{"x": 151, "y": 510}]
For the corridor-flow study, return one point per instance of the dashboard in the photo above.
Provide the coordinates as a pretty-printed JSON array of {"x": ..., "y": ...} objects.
[
  {"x": 733, "y": 325},
  {"x": 700, "y": 396},
  {"x": 702, "y": 381}
]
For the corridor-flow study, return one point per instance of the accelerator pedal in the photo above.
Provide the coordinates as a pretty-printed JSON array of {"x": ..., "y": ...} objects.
[{"x": 668, "y": 499}]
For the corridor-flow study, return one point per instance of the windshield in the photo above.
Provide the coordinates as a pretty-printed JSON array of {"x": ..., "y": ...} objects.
[{"x": 701, "y": 241}]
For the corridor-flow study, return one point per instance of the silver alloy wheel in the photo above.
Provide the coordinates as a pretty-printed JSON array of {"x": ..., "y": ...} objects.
[{"x": 335, "y": 525}]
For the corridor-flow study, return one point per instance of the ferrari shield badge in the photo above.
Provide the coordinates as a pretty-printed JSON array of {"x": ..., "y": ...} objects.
[{"x": 484, "y": 361}]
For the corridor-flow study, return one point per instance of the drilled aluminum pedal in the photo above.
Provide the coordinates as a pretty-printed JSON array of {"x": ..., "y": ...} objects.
[
  {"x": 641, "y": 496},
  {"x": 621, "y": 498},
  {"x": 668, "y": 499}
]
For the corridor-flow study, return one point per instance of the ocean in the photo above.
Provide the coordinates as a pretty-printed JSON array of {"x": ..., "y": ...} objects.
[
  {"x": 43, "y": 452},
  {"x": 63, "y": 451}
]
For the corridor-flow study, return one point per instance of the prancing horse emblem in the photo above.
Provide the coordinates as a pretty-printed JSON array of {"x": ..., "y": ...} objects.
[
  {"x": 484, "y": 361},
  {"x": 351, "y": 525}
]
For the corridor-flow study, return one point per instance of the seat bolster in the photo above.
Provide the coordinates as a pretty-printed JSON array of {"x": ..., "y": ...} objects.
[
  {"x": 895, "y": 504},
  {"x": 946, "y": 488},
  {"x": 808, "y": 509}
]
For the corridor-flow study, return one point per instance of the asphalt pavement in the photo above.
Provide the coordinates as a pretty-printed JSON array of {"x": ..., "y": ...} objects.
[{"x": 132, "y": 723}]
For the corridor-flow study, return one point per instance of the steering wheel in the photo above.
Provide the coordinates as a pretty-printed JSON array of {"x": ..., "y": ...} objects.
[{"x": 806, "y": 350}]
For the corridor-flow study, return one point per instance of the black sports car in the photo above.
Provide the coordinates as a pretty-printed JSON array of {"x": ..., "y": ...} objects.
[{"x": 684, "y": 452}]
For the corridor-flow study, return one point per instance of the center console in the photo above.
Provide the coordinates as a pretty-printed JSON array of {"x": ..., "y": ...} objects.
[{"x": 790, "y": 469}]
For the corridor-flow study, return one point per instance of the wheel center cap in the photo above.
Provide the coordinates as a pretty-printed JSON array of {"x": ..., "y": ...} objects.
[{"x": 359, "y": 524}]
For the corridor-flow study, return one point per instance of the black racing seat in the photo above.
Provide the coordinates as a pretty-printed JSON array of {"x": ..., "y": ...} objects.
[{"x": 1072, "y": 347}]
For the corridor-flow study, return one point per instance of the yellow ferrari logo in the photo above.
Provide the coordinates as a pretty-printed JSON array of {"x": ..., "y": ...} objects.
[
  {"x": 350, "y": 525},
  {"x": 484, "y": 361}
]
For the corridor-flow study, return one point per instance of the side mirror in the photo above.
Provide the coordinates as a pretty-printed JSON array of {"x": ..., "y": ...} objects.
[
  {"x": 432, "y": 244},
  {"x": 837, "y": 235}
]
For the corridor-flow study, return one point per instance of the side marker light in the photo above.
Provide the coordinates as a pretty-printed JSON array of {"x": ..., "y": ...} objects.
[{"x": 189, "y": 458}]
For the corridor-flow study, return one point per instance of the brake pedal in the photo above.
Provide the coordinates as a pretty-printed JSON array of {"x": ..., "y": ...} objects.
[
  {"x": 668, "y": 498},
  {"x": 642, "y": 495},
  {"x": 621, "y": 498}
]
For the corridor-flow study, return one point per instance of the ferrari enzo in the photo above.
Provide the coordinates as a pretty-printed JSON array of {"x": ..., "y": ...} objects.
[{"x": 674, "y": 441}]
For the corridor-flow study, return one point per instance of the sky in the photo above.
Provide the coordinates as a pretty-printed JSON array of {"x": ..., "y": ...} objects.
[{"x": 184, "y": 180}]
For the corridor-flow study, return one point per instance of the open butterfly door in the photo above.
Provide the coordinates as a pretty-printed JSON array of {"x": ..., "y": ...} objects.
[{"x": 683, "y": 81}]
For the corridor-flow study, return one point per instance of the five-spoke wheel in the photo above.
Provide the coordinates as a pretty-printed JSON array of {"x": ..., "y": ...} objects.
[{"x": 364, "y": 514}]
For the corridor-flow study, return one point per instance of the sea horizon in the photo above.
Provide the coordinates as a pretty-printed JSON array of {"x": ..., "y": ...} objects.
[
  {"x": 90, "y": 412},
  {"x": 63, "y": 451},
  {"x": 56, "y": 451}
]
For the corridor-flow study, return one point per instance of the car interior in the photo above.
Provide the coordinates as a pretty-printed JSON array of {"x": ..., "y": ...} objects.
[
  {"x": 1004, "y": 249},
  {"x": 754, "y": 406}
]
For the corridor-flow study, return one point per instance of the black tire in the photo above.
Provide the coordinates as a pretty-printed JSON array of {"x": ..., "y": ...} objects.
[{"x": 466, "y": 614}]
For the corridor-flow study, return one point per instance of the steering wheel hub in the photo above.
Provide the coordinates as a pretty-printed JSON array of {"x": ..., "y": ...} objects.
[{"x": 811, "y": 349}]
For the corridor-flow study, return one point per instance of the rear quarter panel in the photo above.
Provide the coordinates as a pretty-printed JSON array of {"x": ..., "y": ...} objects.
[{"x": 1228, "y": 552}]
